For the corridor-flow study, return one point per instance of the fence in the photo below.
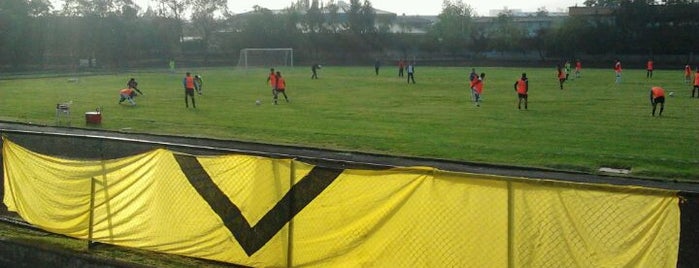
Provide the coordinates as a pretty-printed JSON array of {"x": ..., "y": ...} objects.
[{"x": 260, "y": 211}]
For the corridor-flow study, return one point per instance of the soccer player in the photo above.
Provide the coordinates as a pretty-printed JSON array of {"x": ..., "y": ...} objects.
[
  {"x": 401, "y": 67},
  {"x": 127, "y": 94},
  {"x": 578, "y": 68},
  {"x": 696, "y": 84},
  {"x": 617, "y": 71},
  {"x": 687, "y": 73},
  {"x": 473, "y": 75},
  {"x": 411, "y": 72},
  {"x": 198, "y": 83},
  {"x": 377, "y": 66},
  {"x": 561, "y": 75},
  {"x": 272, "y": 80},
  {"x": 188, "y": 83},
  {"x": 567, "y": 68},
  {"x": 649, "y": 68},
  {"x": 522, "y": 89},
  {"x": 657, "y": 95},
  {"x": 477, "y": 88},
  {"x": 280, "y": 88},
  {"x": 314, "y": 70},
  {"x": 133, "y": 84}
]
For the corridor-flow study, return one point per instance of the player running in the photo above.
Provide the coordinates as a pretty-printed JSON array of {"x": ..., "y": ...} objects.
[
  {"x": 272, "y": 81},
  {"x": 477, "y": 89},
  {"x": 280, "y": 88}
]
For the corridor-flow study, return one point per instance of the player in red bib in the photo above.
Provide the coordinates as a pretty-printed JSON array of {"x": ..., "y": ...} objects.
[
  {"x": 522, "y": 88},
  {"x": 657, "y": 95}
]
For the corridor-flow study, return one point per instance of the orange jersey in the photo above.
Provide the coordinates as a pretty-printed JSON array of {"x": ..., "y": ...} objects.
[
  {"x": 272, "y": 79},
  {"x": 126, "y": 91},
  {"x": 657, "y": 92},
  {"x": 687, "y": 70},
  {"x": 649, "y": 65},
  {"x": 189, "y": 82},
  {"x": 617, "y": 67},
  {"x": 561, "y": 74},
  {"x": 696, "y": 79},
  {"x": 281, "y": 84},
  {"x": 522, "y": 86},
  {"x": 578, "y": 65},
  {"x": 477, "y": 85}
]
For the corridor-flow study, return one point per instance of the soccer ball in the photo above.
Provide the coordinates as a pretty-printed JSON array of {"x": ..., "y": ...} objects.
[
  {"x": 320, "y": 66},
  {"x": 672, "y": 93},
  {"x": 257, "y": 102}
]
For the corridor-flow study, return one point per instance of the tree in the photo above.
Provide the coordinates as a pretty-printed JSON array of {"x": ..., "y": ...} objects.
[
  {"x": 368, "y": 18},
  {"x": 505, "y": 35},
  {"x": 204, "y": 21},
  {"x": 354, "y": 17},
  {"x": 313, "y": 20},
  {"x": 14, "y": 22},
  {"x": 332, "y": 21},
  {"x": 455, "y": 25},
  {"x": 175, "y": 9}
]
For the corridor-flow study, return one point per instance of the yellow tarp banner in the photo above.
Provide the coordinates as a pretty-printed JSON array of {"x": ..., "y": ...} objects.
[{"x": 265, "y": 212}]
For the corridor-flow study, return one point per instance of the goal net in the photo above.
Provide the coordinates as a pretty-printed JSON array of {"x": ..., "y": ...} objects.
[{"x": 265, "y": 57}]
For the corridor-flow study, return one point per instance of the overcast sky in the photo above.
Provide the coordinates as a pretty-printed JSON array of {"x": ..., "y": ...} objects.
[
  {"x": 423, "y": 7},
  {"x": 407, "y": 7}
]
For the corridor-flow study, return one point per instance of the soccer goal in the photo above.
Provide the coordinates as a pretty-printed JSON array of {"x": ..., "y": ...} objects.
[{"x": 265, "y": 57}]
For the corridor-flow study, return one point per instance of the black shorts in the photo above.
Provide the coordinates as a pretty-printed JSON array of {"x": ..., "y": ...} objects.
[
  {"x": 522, "y": 96},
  {"x": 659, "y": 100},
  {"x": 189, "y": 91}
]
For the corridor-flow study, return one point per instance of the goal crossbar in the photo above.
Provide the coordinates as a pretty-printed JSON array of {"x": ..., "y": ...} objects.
[{"x": 266, "y": 57}]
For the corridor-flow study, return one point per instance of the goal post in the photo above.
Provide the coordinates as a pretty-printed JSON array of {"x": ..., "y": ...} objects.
[{"x": 265, "y": 57}]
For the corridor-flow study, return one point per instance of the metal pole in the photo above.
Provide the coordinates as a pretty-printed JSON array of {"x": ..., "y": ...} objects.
[
  {"x": 510, "y": 225},
  {"x": 289, "y": 247},
  {"x": 92, "y": 213}
]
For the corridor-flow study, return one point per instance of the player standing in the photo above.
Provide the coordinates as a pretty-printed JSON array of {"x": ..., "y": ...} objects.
[
  {"x": 617, "y": 71},
  {"x": 188, "y": 83},
  {"x": 522, "y": 89},
  {"x": 561, "y": 76},
  {"x": 578, "y": 68},
  {"x": 401, "y": 67},
  {"x": 411, "y": 72},
  {"x": 687, "y": 73},
  {"x": 649, "y": 68},
  {"x": 567, "y": 68}
]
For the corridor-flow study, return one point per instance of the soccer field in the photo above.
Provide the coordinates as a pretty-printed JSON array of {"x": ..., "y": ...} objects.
[{"x": 592, "y": 123}]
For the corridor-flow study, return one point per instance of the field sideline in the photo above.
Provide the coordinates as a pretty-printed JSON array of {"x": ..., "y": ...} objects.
[{"x": 592, "y": 123}]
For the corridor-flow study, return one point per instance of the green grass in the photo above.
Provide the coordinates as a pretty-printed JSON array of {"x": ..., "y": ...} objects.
[{"x": 592, "y": 123}]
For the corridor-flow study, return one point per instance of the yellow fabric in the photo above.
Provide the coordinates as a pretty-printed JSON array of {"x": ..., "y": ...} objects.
[
  {"x": 406, "y": 217},
  {"x": 573, "y": 225}
]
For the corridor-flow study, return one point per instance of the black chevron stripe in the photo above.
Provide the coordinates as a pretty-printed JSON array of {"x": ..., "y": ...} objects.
[{"x": 252, "y": 238}]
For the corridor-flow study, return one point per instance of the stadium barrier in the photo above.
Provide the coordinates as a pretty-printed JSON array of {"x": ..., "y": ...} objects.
[{"x": 259, "y": 211}]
